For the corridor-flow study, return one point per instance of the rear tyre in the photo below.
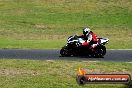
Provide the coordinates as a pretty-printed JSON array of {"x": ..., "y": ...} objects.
[
  {"x": 100, "y": 51},
  {"x": 65, "y": 51}
]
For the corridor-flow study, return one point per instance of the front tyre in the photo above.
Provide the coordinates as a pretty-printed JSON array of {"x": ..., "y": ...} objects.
[
  {"x": 65, "y": 51},
  {"x": 100, "y": 51}
]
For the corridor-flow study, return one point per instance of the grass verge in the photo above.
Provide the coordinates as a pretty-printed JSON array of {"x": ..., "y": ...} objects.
[
  {"x": 55, "y": 20},
  {"x": 31, "y": 44},
  {"x": 54, "y": 74}
]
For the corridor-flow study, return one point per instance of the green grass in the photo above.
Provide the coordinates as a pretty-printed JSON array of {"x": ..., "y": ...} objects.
[
  {"x": 55, "y": 74},
  {"x": 25, "y": 20},
  {"x": 35, "y": 44}
]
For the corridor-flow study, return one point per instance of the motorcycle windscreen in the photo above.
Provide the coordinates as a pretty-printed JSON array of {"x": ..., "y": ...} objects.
[{"x": 81, "y": 40}]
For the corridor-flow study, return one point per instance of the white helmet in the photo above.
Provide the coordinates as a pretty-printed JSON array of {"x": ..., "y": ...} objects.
[{"x": 86, "y": 31}]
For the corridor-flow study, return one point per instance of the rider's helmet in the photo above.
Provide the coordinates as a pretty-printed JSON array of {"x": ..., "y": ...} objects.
[{"x": 86, "y": 31}]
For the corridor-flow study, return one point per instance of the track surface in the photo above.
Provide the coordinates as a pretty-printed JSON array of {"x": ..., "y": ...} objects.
[{"x": 112, "y": 55}]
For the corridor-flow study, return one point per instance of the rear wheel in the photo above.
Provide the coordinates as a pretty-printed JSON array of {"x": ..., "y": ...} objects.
[
  {"x": 65, "y": 51},
  {"x": 100, "y": 51}
]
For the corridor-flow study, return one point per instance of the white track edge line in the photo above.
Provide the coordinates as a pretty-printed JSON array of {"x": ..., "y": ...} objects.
[{"x": 119, "y": 49}]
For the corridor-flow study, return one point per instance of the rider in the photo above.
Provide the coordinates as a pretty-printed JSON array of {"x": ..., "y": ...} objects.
[{"x": 89, "y": 37}]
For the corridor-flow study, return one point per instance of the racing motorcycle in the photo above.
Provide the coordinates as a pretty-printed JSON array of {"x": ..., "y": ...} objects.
[{"x": 74, "y": 47}]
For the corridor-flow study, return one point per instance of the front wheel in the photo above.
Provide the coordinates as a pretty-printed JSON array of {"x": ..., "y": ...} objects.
[
  {"x": 100, "y": 51},
  {"x": 65, "y": 51}
]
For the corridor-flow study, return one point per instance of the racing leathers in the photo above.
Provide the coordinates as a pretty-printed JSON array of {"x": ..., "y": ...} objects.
[{"x": 90, "y": 39}]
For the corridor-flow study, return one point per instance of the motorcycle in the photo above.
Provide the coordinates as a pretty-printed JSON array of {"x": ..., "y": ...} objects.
[{"x": 74, "y": 47}]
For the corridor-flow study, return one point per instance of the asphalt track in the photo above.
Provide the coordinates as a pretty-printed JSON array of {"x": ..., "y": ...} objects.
[{"x": 53, "y": 54}]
